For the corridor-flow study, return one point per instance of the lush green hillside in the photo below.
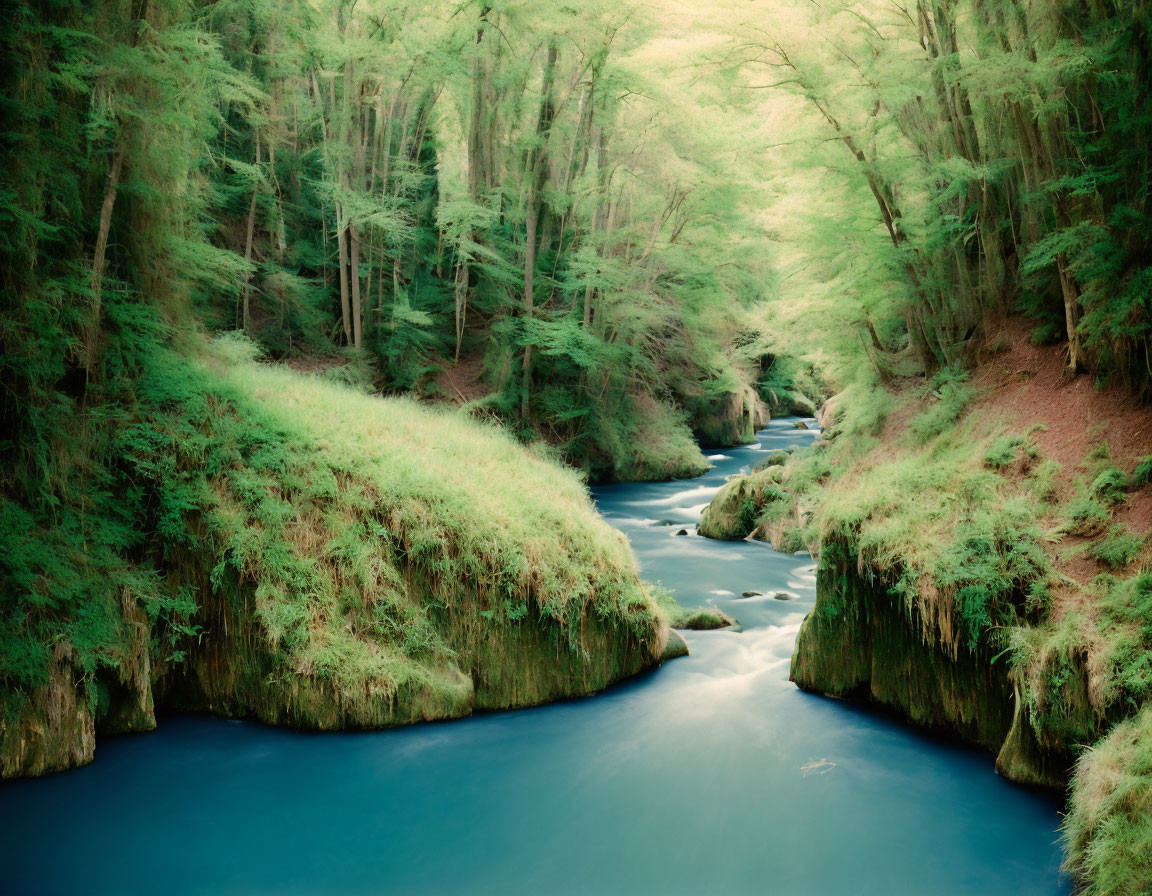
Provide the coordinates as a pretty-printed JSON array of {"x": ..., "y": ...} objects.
[{"x": 283, "y": 547}]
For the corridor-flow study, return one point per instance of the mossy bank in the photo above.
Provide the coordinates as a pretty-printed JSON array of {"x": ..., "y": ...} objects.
[
  {"x": 984, "y": 563},
  {"x": 289, "y": 549}
]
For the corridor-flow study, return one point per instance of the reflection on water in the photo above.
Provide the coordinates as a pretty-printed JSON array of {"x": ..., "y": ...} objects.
[{"x": 712, "y": 775}]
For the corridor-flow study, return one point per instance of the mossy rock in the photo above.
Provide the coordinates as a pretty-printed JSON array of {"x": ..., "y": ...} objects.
[
  {"x": 731, "y": 515},
  {"x": 674, "y": 648},
  {"x": 784, "y": 536},
  {"x": 775, "y": 459},
  {"x": 733, "y": 419},
  {"x": 704, "y": 619},
  {"x": 802, "y": 405}
]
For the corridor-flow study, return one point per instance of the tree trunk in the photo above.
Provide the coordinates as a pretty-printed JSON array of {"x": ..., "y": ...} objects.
[
  {"x": 461, "y": 305},
  {"x": 99, "y": 255},
  {"x": 246, "y": 316},
  {"x": 529, "y": 293},
  {"x": 354, "y": 276},
  {"x": 536, "y": 170},
  {"x": 342, "y": 251},
  {"x": 1071, "y": 314}
]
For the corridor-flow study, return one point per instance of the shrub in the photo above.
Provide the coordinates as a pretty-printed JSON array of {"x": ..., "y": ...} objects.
[
  {"x": 1043, "y": 478},
  {"x": 1109, "y": 486},
  {"x": 949, "y": 388},
  {"x": 1003, "y": 452},
  {"x": 1142, "y": 475},
  {"x": 1108, "y": 828},
  {"x": 1086, "y": 514},
  {"x": 1119, "y": 548}
]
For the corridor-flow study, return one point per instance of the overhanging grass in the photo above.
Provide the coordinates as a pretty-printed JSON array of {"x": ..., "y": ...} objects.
[
  {"x": 1108, "y": 828},
  {"x": 336, "y": 500},
  {"x": 307, "y": 554}
]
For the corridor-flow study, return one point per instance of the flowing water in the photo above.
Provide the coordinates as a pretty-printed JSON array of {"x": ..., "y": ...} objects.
[{"x": 711, "y": 775}]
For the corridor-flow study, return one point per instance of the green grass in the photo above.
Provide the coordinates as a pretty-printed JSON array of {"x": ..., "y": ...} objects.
[
  {"x": 341, "y": 497},
  {"x": 946, "y": 395},
  {"x": 1108, "y": 828},
  {"x": 1110, "y": 485},
  {"x": 1003, "y": 452},
  {"x": 1142, "y": 474},
  {"x": 1119, "y": 548}
]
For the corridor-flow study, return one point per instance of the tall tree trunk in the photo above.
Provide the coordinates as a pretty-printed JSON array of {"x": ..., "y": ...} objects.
[
  {"x": 1071, "y": 295},
  {"x": 99, "y": 254},
  {"x": 246, "y": 316},
  {"x": 598, "y": 213},
  {"x": 342, "y": 252},
  {"x": 354, "y": 277},
  {"x": 357, "y": 183},
  {"x": 537, "y": 172},
  {"x": 461, "y": 306},
  {"x": 529, "y": 294}
]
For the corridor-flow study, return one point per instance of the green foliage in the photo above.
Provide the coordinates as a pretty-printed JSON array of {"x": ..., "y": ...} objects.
[
  {"x": 948, "y": 394},
  {"x": 1119, "y": 548},
  {"x": 1108, "y": 828},
  {"x": 1109, "y": 486},
  {"x": 1087, "y": 514},
  {"x": 789, "y": 385},
  {"x": 993, "y": 560},
  {"x": 866, "y": 409},
  {"x": 1003, "y": 452},
  {"x": 1127, "y": 606},
  {"x": 1142, "y": 475},
  {"x": 1044, "y": 478}
]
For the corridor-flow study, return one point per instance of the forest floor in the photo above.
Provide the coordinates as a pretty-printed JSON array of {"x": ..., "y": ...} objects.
[
  {"x": 1030, "y": 384},
  {"x": 463, "y": 381},
  {"x": 1028, "y": 388}
]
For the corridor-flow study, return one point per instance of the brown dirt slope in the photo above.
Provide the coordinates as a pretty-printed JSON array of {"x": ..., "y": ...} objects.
[
  {"x": 1028, "y": 384},
  {"x": 1024, "y": 386}
]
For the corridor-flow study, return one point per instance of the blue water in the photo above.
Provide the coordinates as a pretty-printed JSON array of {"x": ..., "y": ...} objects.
[{"x": 712, "y": 775}]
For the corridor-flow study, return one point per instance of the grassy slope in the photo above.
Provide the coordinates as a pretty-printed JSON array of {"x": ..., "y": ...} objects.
[
  {"x": 646, "y": 437},
  {"x": 1009, "y": 514},
  {"x": 313, "y": 556}
]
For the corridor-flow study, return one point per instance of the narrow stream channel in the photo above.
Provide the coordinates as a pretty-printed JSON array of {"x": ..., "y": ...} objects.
[{"x": 712, "y": 775}]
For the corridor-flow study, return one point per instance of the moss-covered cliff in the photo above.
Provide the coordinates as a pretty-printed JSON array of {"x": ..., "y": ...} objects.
[
  {"x": 864, "y": 640},
  {"x": 315, "y": 557}
]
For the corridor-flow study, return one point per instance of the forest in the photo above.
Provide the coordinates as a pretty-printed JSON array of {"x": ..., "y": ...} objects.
[{"x": 327, "y": 327}]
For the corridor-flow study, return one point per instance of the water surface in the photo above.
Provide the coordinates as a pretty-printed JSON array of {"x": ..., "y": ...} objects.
[{"x": 712, "y": 775}]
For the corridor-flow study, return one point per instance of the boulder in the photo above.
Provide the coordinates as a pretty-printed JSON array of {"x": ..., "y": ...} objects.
[
  {"x": 674, "y": 647},
  {"x": 705, "y": 619}
]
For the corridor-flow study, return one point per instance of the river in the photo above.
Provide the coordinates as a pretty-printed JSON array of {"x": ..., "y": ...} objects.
[{"x": 711, "y": 775}]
